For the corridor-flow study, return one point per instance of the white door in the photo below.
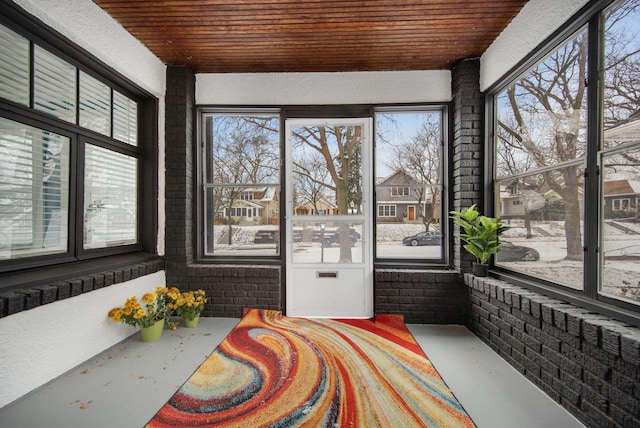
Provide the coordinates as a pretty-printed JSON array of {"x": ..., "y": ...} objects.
[{"x": 329, "y": 257}]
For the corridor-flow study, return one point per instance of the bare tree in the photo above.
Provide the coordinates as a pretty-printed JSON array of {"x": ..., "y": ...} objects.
[
  {"x": 542, "y": 117},
  {"x": 310, "y": 180},
  {"x": 421, "y": 159},
  {"x": 552, "y": 98},
  {"x": 243, "y": 155},
  {"x": 339, "y": 147}
]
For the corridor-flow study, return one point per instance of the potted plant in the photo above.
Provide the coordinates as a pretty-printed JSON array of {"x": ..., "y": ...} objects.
[
  {"x": 480, "y": 235},
  {"x": 189, "y": 305},
  {"x": 149, "y": 316}
]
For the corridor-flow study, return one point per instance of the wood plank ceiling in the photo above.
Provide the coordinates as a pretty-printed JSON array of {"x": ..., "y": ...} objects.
[{"x": 245, "y": 36}]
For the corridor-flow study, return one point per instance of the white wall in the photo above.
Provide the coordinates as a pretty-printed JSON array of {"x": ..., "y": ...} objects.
[
  {"x": 324, "y": 88},
  {"x": 42, "y": 343},
  {"x": 45, "y": 342},
  {"x": 537, "y": 21}
]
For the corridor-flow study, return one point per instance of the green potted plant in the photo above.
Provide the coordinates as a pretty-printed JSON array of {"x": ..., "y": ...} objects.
[
  {"x": 480, "y": 235},
  {"x": 150, "y": 316},
  {"x": 189, "y": 305}
]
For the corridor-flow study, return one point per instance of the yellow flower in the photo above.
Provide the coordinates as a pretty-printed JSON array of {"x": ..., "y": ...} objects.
[
  {"x": 139, "y": 314},
  {"x": 149, "y": 298},
  {"x": 173, "y": 293}
]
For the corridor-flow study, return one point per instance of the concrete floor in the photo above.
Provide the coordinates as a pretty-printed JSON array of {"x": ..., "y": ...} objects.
[{"x": 127, "y": 384}]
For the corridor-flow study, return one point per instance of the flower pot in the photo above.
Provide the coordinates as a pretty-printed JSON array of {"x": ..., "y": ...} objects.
[
  {"x": 480, "y": 269},
  {"x": 191, "y": 323},
  {"x": 153, "y": 332}
]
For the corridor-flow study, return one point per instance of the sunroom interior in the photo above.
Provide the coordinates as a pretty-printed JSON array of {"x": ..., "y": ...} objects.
[{"x": 116, "y": 179}]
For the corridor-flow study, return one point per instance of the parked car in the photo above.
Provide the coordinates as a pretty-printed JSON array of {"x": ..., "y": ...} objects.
[
  {"x": 510, "y": 252},
  {"x": 333, "y": 237},
  {"x": 266, "y": 237},
  {"x": 423, "y": 238}
]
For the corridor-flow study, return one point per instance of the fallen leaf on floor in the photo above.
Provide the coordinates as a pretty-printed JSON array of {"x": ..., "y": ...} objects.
[
  {"x": 85, "y": 405},
  {"x": 85, "y": 371}
]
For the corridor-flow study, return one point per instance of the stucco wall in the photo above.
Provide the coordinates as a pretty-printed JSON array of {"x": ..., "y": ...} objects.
[
  {"x": 39, "y": 344},
  {"x": 45, "y": 342},
  {"x": 323, "y": 88},
  {"x": 537, "y": 21}
]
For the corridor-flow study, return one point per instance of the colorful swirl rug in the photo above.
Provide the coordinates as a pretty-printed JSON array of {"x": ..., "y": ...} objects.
[{"x": 276, "y": 371}]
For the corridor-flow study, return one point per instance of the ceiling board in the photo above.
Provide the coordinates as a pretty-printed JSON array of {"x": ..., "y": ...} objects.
[{"x": 240, "y": 36}]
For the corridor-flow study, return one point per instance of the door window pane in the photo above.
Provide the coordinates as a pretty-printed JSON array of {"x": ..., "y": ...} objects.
[
  {"x": 110, "y": 198},
  {"x": 34, "y": 191},
  {"x": 14, "y": 67},
  {"x": 327, "y": 170},
  {"x": 55, "y": 85},
  {"x": 327, "y": 242},
  {"x": 95, "y": 105},
  {"x": 409, "y": 178}
]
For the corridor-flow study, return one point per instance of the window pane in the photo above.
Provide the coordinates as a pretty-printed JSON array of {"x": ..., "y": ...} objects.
[
  {"x": 237, "y": 225},
  {"x": 622, "y": 74},
  {"x": 620, "y": 225},
  {"x": 540, "y": 150},
  {"x": 110, "y": 198},
  {"x": 242, "y": 149},
  {"x": 242, "y": 189},
  {"x": 55, "y": 86},
  {"x": 125, "y": 119},
  {"x": 545, "y": 213},
  {"x": 541, "y": 118},
  {"x": 95, "y": 105},
  {"x": 408, "y": 184},
  {"x": 34, "y": 191},
  {"x": 14, "y": 66}
]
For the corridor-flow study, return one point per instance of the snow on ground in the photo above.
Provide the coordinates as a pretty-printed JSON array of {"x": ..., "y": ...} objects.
[{"x": 621, "y": 278}]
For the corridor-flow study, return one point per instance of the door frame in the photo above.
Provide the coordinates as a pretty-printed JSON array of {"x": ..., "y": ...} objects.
[{"x": 367, "y": 218}]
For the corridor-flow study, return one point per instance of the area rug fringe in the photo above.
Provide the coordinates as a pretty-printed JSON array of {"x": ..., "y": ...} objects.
[{"x": 276, "y": 371}]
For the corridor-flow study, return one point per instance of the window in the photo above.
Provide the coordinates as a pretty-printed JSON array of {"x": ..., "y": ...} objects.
[
  {"x": 399, "y": 191},
  {"x": 71, "y": 167},
  {"x": 409, "y": 181},
  {"x": 240, "y": 183},
  {"x": 573, "y": 178},
  {"x": 34, "y": 195},
  {"x": 386, "y": 210},
  {"x": 619, "y": 154}
]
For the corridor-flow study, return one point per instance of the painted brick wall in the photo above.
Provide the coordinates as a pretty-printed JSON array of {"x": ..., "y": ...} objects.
[
  {"x": 14, "y": 301},
  {"x": 422, "y": 296},
  {"x": 587, "y": 362},
  {"x": 229, "y": 288},
  {"x": 467, "y": 151}
]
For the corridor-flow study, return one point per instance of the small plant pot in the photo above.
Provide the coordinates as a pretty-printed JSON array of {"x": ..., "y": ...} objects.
[
  {"x": 480, "y": 269},
  {"x": 191, "y": 323},
  {"x": 153, "y": 332}
]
